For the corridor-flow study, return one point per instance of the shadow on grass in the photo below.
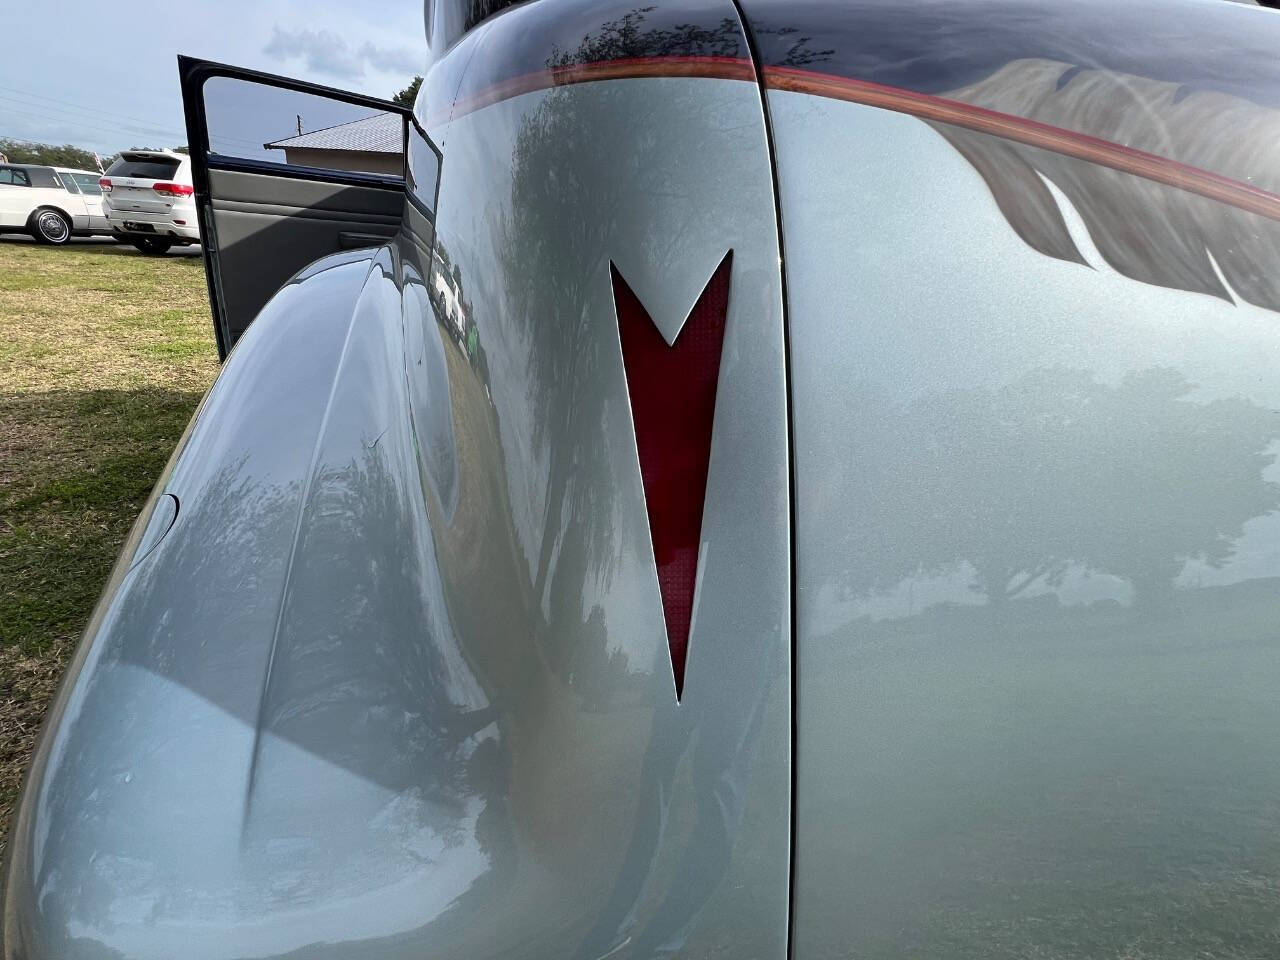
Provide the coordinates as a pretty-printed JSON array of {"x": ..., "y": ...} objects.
[
  {"x": 103, "y": 245},
  {"x": 78, "y": 467}
]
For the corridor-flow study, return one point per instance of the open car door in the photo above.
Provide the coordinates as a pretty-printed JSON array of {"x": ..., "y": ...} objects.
[{"x": 286, "y": 172}]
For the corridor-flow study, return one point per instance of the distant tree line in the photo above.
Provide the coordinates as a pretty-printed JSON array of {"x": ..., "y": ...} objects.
[{"x": 66, "y": 155}]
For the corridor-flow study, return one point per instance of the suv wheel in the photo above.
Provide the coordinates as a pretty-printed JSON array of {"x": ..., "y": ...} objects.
[
  {"x": 152, "y": 245},
  {"x": 50, "y": 226}
]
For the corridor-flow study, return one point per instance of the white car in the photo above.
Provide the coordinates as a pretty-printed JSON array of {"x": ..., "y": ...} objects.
[
  {"x": 53, "y": 204},
  {"x": 149, "y": 200}
]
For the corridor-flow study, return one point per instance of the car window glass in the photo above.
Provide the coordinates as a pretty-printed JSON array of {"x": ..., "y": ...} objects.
[
  {"x": 422, "y": 172},
  {"x": 88, "y": 183},
  {"x": 143, "y": 167},
  {"x": 449, "y": 19},
  {"x": 42, "y": 177},
  {"x": 17, "y": 178},
  {"x": 251, "y": 121},
  {"x": 69, "y": 183}
]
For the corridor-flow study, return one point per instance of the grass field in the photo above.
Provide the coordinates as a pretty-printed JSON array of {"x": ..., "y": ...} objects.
[{"x": 104, "y": 354}]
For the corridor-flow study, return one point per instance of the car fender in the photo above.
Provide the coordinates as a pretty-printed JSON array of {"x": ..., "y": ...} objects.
[{"x": 155, "y": 739}]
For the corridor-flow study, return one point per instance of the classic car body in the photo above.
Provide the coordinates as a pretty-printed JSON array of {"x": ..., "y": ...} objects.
[
  {"x": 923, "y": 601},
  {"x": 52, "y": 204}
]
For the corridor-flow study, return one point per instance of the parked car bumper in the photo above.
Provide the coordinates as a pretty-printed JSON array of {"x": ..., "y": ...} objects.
[{"x": 181, "y": 229}]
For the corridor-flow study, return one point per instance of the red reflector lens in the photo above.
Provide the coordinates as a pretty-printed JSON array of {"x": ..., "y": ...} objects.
[
  {"x": 673, "y": 406},
  {"x": 105, "y": 184},
  {"x": 173, "y": 189}
]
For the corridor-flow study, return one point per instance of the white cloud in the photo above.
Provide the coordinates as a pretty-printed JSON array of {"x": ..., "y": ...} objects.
[
  {"x": 327, "y": 53},
  {"x": 114, "y": 88}
]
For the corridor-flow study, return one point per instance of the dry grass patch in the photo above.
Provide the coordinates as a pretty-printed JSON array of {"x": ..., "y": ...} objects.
[
  {"x": 103, "y": 317},
  {"x": 104, "y": 354},
  {"x": 26, "y": 685}
]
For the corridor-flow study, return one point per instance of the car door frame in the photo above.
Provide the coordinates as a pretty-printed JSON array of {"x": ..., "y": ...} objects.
[
  {"x": 77, "y": 208},
  {"x": 12, "y": 208},
  {"x": 193, "y": 73},
  {"x": 93, "y": 203}
]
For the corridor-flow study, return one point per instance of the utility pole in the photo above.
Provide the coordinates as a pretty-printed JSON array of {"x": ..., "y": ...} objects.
[{"x": 299, "y": 116}]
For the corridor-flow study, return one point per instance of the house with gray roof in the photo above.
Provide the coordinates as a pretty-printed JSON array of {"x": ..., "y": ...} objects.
[{"x": 373, "y": 144}]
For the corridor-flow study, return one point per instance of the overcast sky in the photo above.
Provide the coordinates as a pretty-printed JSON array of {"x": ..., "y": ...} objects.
[{"x": 104, "y": 75}]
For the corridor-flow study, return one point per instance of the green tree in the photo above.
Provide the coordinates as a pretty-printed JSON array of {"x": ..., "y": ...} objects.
[
  {"x": 66, "y": 155},
  {"x": 409, "y": 94}
]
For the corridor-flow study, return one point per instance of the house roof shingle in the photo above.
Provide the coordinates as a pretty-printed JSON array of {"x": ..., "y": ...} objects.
[{"x": 380, "y": 133}]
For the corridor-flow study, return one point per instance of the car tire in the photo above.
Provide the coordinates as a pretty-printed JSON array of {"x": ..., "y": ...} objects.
[
  {"x": 153, "y": 246},
  {"x": 50, "y": 226}
]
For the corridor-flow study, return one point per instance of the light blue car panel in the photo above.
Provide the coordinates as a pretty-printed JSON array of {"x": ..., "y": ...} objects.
[
  {"x": 396, "y": 679},
  {"x": 1036, "y": 567},
  {"x": 559, "y": 401},
  {"x": 383, "y": 672}
]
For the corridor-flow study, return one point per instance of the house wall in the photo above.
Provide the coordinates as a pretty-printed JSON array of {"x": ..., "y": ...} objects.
[{"x": 365, "y": 162}]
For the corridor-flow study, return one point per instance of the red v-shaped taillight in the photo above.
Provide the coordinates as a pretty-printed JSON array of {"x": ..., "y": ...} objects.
[{"x": 673, "y": 405}]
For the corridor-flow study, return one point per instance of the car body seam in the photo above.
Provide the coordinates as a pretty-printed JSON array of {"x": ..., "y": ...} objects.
[
  {"x": 789, "y": 424},
  {"x": 303, "y": 499}
]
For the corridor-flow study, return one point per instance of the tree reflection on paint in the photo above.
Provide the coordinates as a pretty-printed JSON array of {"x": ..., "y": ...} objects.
[
  {"x": 1143, "y": 230},
  {"x": 1054, "y": 471}
]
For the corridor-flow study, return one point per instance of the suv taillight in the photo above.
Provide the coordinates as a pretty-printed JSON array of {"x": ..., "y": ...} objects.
[
  {"x": 105, "y": 184},
  {"x": 173, "y": 189}
]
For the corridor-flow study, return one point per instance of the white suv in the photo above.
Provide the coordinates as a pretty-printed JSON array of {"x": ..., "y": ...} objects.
[
  {"x": 148, "y": 199},
  {"x": 50, "y": 203}
]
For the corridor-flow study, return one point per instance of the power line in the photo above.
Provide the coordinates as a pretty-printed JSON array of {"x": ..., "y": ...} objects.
[
  {"x": 147, "y": 130},
  {"x": 95, "y": 110},
  {"x": 58, "y": 114},
  {"x": 30, "y": 143},
  {"x": 102, "y": 129},
  {"x": 147, "y": 133}
]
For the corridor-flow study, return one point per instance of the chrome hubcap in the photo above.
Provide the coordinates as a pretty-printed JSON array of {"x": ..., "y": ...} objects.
[{"x": 53, "y": 226}]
